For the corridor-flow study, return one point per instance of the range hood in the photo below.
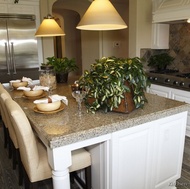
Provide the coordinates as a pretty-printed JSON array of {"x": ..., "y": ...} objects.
[{"x": 170, "y": 11}]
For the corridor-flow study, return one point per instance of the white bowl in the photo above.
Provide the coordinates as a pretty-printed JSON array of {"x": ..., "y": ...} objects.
[
  {"x": 19, "y": 84},
  {"x": 33, "y": 93},
  {"x": 47, "y": 107}
]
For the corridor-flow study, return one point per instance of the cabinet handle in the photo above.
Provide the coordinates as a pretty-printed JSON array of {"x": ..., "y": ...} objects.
[
  {"x": 7, "y": 59},
  {"x": 13, "y": 58}
]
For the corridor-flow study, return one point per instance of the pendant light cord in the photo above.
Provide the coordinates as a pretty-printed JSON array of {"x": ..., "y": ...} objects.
[{"x": 49, "y": 15}]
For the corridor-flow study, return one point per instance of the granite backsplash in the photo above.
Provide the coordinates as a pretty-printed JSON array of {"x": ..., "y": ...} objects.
[{"x": 179, "y": 48}]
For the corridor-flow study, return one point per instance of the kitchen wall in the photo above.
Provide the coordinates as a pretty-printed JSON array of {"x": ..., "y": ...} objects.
[
  {"x": 138, "y": 31},
  {"x": 179, "y": 47},
  {"x": 90, "y": 44}
]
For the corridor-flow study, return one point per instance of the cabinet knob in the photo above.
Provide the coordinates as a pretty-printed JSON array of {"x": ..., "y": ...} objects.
[
  {"x": 182, "y": 83},
  {"x": 167, "y": 80},
  {"x": 175, "y": 82}
]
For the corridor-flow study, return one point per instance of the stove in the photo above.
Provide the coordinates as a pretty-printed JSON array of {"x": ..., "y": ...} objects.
[{"x": 170, "y": 78}]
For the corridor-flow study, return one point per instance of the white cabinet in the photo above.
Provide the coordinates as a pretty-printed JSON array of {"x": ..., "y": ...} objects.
[
  {"x": 131, "y": 158},
  {"x": 160, "y": 36},
  {"x": 170, "y": 136},
  {"x": 159, "y": 90},
  {"x": 176, "y": 94},
  {"x": 151, "y": 153},
  {"x": 182, "y": 96},
  {"x": 22, "y": 7}
]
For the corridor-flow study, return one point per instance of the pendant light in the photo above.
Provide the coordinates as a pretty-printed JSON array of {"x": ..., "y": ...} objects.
[
  {"x": 188, "y": 21},
  {"x": 101, "y": 15},
  {"x": 49, "y": 27}
]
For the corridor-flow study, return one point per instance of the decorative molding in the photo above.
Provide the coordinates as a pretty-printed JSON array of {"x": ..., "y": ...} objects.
[
  {"x": 170, "y": 10},
  {"x": 173, "y": 3}
]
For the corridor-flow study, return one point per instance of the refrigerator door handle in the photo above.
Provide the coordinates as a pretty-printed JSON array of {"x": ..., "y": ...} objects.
[
  {"x": 7, "y": 59},
  {"x": 13, "y": 58}
]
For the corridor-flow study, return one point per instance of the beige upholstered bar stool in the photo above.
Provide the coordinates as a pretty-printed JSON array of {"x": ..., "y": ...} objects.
[
  {"x": 33, "y": 153},
  {"x": 13, "y": 143},
  {"x": 3, "y": 96},
  {"x": 5, "y": 129}
]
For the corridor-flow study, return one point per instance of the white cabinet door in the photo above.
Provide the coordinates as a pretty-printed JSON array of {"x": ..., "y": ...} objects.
[
  {"x": 159, "y": 90},
  {"x": 131, "y": 159},
  {"x": 183, "y": 96},
  {"x": 148, "y": 156},
  {"x": 160, "y": 36},
  {"x": 169, "y": 145},
  {"x": 180, "y": 95}
]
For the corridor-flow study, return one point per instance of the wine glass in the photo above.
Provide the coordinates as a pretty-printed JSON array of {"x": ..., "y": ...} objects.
[{"x": 79, "y": 95}]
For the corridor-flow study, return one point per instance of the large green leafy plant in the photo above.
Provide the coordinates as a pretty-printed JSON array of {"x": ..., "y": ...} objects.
[{"x": 105, "y": 83}]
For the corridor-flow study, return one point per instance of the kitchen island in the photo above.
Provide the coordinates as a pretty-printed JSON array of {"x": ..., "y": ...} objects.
[{"x": 140, "y": 150}]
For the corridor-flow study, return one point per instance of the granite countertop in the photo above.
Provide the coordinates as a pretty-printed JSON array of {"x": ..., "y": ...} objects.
[{"x": 65, "y": 127}]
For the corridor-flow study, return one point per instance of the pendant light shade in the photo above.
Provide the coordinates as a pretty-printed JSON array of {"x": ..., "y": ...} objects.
[
  {"x": 101, "y": 15},
  {"x": 49, "y": 28}
]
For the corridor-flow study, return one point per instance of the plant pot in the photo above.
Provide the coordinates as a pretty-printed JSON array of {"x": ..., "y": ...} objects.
[
  {"x": 127, "y": 104},
  {"x": 62, "y": 77}
]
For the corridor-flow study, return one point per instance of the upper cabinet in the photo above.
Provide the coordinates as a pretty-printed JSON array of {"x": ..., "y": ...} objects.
[
  {"x": 22, "y": 7},
  {"x": 160, "y": 36},
  {"x": 170, "y": 10}
]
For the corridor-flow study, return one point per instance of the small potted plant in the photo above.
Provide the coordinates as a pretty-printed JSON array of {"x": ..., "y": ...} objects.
[
  {"x": 110, "y": 79},
  {"x": 160, "y": 61},
  {"x": 62, "y": 67}
]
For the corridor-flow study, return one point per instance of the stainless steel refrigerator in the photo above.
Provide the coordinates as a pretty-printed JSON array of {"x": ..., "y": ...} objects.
[{"x": 18, "y": 47}]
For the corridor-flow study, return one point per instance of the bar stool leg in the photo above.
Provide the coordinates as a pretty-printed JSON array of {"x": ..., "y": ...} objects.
[
  {"x": 88, "y": 177},
  {"x": 5, "y": 131}
]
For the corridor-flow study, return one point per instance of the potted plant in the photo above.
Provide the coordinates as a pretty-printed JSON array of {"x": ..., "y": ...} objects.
[
  {"x": 62, "y": 67},
  {"x": 109, "y": 79},
  {"x": 160, "y": 61}
]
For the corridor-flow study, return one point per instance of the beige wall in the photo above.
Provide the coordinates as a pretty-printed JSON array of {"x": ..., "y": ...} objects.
[
  {"x": 47, "y": 42},
  {"x": 139, "y": 28},
  {"x": 140, "y": 19}
]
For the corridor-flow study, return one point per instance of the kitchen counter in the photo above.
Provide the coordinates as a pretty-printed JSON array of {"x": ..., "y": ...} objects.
[
  {"x": 142, "y": 149},
  {"x": 65, "y": 127}
]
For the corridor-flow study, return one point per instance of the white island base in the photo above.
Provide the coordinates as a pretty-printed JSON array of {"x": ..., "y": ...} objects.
[{"x": 148, "y": 156}]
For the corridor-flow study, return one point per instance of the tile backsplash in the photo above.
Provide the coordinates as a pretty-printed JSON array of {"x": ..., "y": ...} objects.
[{"x": 179, "y": 48}]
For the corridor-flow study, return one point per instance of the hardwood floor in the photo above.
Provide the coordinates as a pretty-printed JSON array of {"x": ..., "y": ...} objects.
[
  {"x": 9, "y": 177},
  {"x": 184, "y": 181}
]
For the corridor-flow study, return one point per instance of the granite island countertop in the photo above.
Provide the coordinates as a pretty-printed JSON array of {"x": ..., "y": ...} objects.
[{"x": 65, "y": 127}]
